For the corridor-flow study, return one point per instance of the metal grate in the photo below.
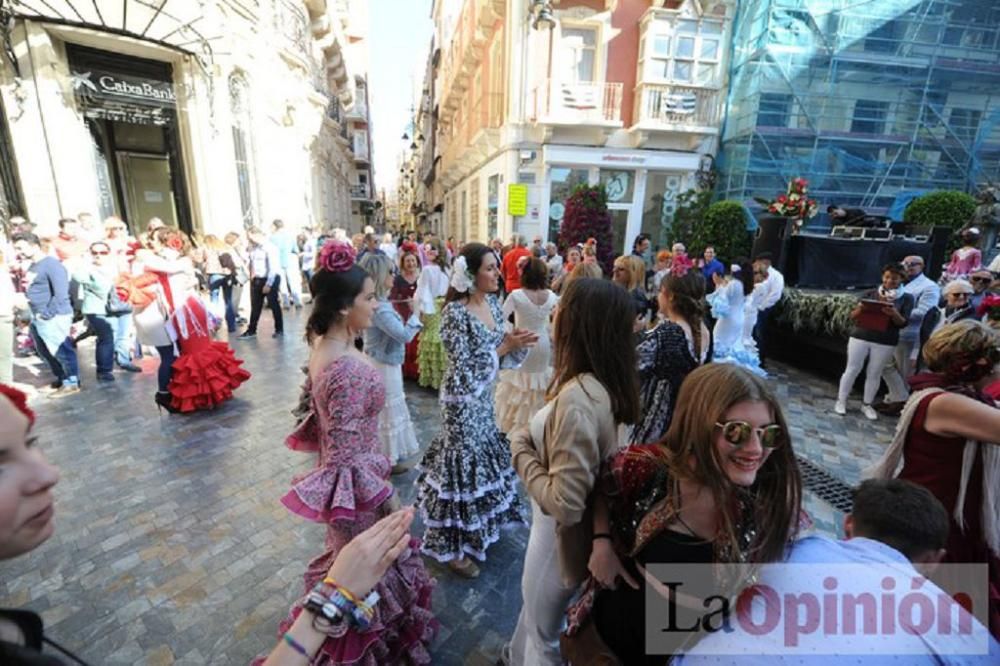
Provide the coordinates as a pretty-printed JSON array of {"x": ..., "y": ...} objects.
[{"x": 830, "y": 489}]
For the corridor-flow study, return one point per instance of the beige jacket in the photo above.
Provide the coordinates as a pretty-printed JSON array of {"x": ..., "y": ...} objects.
[{"x": 580, "y": 434}]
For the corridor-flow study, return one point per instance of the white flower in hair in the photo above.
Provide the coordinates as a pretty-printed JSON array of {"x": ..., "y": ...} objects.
[{"x": 461, "y": 278}]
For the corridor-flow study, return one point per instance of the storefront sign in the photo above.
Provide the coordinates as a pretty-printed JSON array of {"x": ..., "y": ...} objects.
[
  {"x": 517, "y": 199},
  {"x": 627, "y": 159},
  {"x": 95, "y": 85}
]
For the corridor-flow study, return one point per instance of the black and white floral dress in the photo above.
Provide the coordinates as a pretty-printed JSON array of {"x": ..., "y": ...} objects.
[{"x": 467, "y": 488}]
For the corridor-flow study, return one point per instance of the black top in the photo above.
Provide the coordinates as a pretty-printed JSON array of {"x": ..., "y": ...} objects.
[
  {"x": 904, "y": 303},
  {"x": 620, "y": 614},
  {"x": 27, "y": 652}
]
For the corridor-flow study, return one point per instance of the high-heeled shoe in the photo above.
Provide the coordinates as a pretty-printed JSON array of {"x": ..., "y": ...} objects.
[{"x": 162, "y": 399}]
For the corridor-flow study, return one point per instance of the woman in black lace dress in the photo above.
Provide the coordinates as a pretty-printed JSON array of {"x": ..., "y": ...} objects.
[{"x": 678, "y": 344}]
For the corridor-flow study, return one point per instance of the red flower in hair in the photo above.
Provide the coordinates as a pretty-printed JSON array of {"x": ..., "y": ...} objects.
[
  {"x": 409, "y": 247},
  {"x": 176, "y": 243},
  {"x": 20, "y": 401},
  {"x": 336, "y": 256},
  {"x": 681, "y": 265},
  {"x": 591, "y": 241},
  {"x": 989, "y": 306}
]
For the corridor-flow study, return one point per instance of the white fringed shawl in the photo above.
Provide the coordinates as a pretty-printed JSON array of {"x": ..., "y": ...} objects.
[{"x": 892, "y": 461}]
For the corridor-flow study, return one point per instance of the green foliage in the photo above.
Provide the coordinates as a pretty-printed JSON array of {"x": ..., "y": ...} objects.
[
  {"x": 943, "y": 208},
  {"x": 586, "y": 217},
  {"x": 724, "y": 227},
  {"x": 817, "y": 314},
  {"x": 691, "y": 208}
]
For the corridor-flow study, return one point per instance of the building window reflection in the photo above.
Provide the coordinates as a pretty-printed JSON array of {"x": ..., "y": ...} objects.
[{"x": 242, "y": 154}]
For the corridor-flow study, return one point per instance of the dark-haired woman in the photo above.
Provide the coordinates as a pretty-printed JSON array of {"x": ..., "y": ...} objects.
[
  {"x": 559, "y": 456},
  {"x": 722, "y": 487},
  {"x": 432, "y": 286},
  {"x": 466, "y": 489},
  {"x": 349, "y": 490},
  {"x": 402, "y": 297},
  {"x": 521, "y": 392},
  {"x": 878, "y": 317},
  {"x": 728, "y": 303},
  {"x": 678, "y": 344}
]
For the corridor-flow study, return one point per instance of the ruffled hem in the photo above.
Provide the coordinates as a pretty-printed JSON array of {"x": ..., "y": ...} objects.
[
  {"x": 305, "y": 437},
  {"x": 742, "y": 357},
  {"x": 519, "y": 396},
  {"x": 398, "y": 439},
  {"x": 205, "y": 378},
  {"x": 402, "y": 628},
  {"x": 340, "y": 492}
]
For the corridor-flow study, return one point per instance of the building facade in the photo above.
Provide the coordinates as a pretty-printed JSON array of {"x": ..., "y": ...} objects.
[
  {"x": 212, "y": 116},
  {"x": 550, "y": 95},
  {"x": 870, "y": 101}
]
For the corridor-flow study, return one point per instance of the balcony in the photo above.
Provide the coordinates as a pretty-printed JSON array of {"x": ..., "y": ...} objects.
[
  {"x": 674, "y": 113},
  {"x": 360, "y": 147},
  {"x": 359, "y": 192},
  {"x": 577, "y": 104},
  {"x": 466, "y": 49}
]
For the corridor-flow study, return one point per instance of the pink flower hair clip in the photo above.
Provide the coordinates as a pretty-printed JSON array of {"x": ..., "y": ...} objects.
[
  {"x": 680, "y": 266},
  {"x": 336, "y": 256}
]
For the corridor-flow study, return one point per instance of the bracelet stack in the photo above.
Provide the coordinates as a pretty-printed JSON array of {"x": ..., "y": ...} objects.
[{"x": 332, "y": 604}]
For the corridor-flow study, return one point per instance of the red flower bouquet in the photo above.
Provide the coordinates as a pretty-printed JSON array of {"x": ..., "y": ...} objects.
[{"x": 794, "y": 203}]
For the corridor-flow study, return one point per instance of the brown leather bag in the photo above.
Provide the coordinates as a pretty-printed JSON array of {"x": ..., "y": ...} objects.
[{"x": 586, "y": 648}]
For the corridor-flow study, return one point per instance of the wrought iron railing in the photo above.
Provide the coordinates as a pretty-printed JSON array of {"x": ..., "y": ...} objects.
[
  {"x": 577, "y": 102},
  {"x": 670, "y": 105}
]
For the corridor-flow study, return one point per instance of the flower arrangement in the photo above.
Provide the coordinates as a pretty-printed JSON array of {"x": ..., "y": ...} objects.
[
  {"x": 336, "y": 256},
  {"x": 587, "y": 219},
  {"x": 794, "y": 203},
  {"x": 989, "y": 308}
]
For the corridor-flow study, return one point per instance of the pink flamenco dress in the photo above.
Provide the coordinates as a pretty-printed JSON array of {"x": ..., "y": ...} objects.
[
  {"x": 349, "y": 491},
  {"x": 207, "y": 371}
]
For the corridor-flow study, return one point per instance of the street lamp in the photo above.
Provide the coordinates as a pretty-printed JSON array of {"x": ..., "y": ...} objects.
[{"x": 542, "y": 11}]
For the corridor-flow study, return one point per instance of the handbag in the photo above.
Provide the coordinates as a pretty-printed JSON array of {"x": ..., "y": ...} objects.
[{"x": 116, "y": 306}]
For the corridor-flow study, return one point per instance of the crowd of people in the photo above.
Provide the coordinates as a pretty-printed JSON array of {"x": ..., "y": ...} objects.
[{"x": 632, "y": 409}]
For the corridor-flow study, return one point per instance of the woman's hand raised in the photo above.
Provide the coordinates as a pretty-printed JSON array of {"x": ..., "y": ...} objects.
[{"x": 364, "y": 560}]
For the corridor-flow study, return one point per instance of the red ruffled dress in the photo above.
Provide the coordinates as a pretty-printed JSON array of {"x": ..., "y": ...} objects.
[
  {"x": 207, "y": 371},
  {"x": 349, "y": 491},
  {"x": 403, "y": 291}
]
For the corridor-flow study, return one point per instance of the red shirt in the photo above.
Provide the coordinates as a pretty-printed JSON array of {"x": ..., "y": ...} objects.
[
  {"x": 68, "y": 248},
  {"x": 511, "y": 278}
]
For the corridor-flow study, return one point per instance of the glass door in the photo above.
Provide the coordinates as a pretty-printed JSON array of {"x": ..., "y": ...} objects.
[
  {"x": 147, "y": 186},
  {"x": 620, "y": 227}
]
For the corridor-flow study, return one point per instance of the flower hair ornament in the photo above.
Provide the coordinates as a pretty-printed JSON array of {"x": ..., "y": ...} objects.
[
  {"x": 735, "y": 268},
  {"x": 176, "y": 243},
  {"x": 336, "y": 256},
  {"x": 409, "y": 247},
  {"x": 462, "y": 279},
  {"x": 20, "y": 401}
]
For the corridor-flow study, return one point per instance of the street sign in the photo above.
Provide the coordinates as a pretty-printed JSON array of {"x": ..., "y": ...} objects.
[{"x": 517, "y": 199}]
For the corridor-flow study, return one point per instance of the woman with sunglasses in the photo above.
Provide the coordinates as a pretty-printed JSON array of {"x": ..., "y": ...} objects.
[
  {"x": 432, "y": 285},
  {"x": 948, "y": 440},
  {"x": 721, "y": 487}
]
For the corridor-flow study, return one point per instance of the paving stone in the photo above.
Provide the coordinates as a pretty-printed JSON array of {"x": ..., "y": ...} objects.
[{"x": 171, "y": 545}]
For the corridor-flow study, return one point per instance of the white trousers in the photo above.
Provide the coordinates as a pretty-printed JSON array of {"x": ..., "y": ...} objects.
[
  {"x": 857, "y": 352},
  {"x": 291, "y": 286},
  {"x": 898, "y": 370},
  {"x": 536, "y": 638}
]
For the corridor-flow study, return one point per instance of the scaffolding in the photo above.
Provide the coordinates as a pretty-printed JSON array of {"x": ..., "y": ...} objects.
[{"x": 868, "y": 99}]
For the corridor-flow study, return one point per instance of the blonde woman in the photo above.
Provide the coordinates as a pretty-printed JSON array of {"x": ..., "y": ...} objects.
[
  {"x": 385, "y": 343},
  {"x": 584, "y": 270},
  {"x": 629, "y": 273}
]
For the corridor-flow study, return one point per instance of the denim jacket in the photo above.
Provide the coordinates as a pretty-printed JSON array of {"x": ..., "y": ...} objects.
[{"x": 386, "y": 339}]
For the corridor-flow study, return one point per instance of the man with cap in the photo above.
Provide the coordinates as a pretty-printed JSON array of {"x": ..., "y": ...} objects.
[
  {"x": 926, "y": 295},
  {"x": 957, "y": 306}
]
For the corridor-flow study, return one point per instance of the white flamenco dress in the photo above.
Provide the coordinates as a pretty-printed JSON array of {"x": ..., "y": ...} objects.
[
  {"x": 521, "y": 392},
  {"x": 732, "y": 328}
]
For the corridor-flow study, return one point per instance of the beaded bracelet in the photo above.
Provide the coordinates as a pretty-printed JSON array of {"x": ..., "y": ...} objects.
[{"x": 331, "y": 603}]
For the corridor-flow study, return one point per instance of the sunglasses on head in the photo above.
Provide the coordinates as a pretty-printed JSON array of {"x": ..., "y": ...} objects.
[
  {"x": 981, "y": 279},
  {"x": 738, "y": 434}
]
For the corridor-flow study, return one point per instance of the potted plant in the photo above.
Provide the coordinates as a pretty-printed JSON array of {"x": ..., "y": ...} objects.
[
  {"x": 794, "y": 204},
  {"x": 587, "y": 217}
]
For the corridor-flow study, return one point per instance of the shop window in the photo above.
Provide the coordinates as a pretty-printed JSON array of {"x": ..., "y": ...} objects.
[
  {"x": 242, "y": 155},
  {"x": 620, "y": 185},
  {"x": 659, "y": 207},
  {"x": 564, "y": 181},
  {"x": 492, "y": 205}
]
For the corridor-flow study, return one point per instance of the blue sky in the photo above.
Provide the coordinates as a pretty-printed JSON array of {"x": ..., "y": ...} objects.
[{"x": 399, "y": 33}]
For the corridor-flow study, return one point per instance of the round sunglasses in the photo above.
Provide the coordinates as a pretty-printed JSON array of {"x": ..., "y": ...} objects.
[{"x": 738, "y": 434}]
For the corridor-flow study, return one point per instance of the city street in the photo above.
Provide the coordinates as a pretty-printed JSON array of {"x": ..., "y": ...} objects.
[{"x": 171, "y": 545}]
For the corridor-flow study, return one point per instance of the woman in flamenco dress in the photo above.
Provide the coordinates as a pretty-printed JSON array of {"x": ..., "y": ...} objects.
[
  {"x": 432, "y": 286},
  {"x": 404, "y": 289},
  {"x": 349, "y": 490}
]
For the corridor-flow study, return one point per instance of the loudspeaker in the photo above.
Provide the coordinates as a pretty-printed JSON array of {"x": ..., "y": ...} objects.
[{"x": 773, "y": 235}]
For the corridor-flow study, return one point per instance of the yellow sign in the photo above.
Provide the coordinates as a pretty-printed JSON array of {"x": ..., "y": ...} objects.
[{"x": 517, "y": 200}]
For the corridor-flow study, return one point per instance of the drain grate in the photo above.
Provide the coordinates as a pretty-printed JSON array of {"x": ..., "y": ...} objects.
[{"x": 830, "y": 489}]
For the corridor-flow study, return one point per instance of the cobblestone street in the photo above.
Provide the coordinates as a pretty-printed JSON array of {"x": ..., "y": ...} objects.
[{"x": 171, "y": 545}]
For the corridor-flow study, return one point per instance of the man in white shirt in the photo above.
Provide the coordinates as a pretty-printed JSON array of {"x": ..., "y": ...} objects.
[
  {"x": 895, "y": 537},
  {"x": 926, "y": 295},
  {"x": 264, "y": 264},
  {"x": 771, "y": 288}
]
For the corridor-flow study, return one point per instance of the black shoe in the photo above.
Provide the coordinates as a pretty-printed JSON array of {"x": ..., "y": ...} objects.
[
  {"x": 105, "y": 377},
  {"x": 130, "y": 367},
  {"x": 246, "y": 335},
  {"x": 278, "y": 334},
  {"x": 163, "y": 401}
]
